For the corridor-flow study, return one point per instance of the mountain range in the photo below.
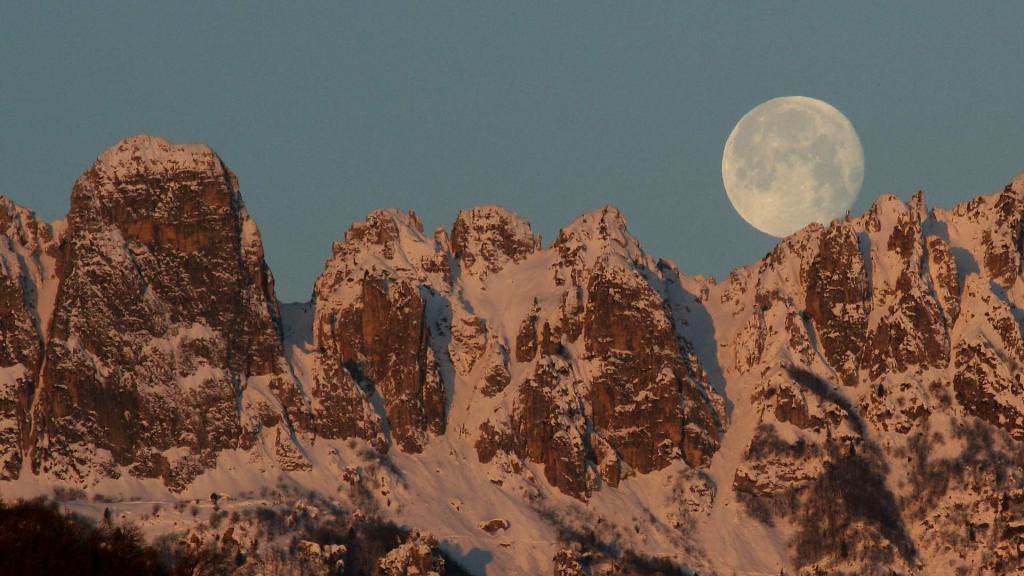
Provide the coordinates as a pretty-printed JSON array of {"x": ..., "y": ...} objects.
[{"x": 851, "y": 403}]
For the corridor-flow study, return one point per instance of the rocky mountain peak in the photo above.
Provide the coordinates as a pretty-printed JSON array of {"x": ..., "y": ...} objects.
[
  {"x": 384, "y": 225},
  {"x": 20, "y": 225},
  {"x": 605, "y": 224},
  {"x": 884, "y": 213},
  {"x": 1017, "y": 184},
  {"x": 601, "y": 232},
  {"x": 12, "y": 217},
  {"x": 140, "y": 157},
  {"x": 390, "y": 235},
  {"x": 165, "y": 344},
  {"x": 918, "y": 206},
  {"x": 388, "y": 244},
  {"x": 912, "y": 310},
  {"x": 374, "y": 303},
  {"x": 486, "y": 238}
]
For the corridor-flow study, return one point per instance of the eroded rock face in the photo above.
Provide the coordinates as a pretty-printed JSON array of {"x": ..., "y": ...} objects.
[
  {"x": 469, "y": 342},
  {"x": 774, "y": 471},
  {"x": 20, "y": 355},
  {"x": 987, "y": 379},
  {"x": 526, "y": 339},
  {"x": 549, "y": 426},
  {"x": 164, "y": 348},
  {"x": 888, "y": 338},
  {"x": 486, "y": 239},
  {"x": 27, "y": 251},
  {"x": 872, "y": 366},
  {"x": 838, "y": 297},
  {"x": 989, "y": 227},
  {"x": 341, "y": 409},
  {"x": 907, "y": 327},
  {"x": 391, "y": 340},
  {"x": 639, "y": 403},
  {"x": 374, "y": 305},
  {"x": 391, "y": 315},
  {"x": 945, "y": 277},
  {"x": 641, "y": 389}
]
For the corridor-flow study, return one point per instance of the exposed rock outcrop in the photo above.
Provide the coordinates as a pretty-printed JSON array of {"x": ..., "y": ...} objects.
[
  {"x": 609, "y": 384},
  {"x": 418, "y": 555},
  {"x": 376, "y": 303},
  {"x": 27, "y": 287},
  {"x": 486, "y": 239},
  {"x": 164, "y": 348},
  {"x": 915, "y": 313}
]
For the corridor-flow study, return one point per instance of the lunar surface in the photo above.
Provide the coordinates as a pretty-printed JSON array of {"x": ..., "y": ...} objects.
[{"x": 792, "y": 161}]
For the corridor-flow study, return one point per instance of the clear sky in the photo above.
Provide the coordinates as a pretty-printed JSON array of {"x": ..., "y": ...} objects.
[{"x": 550, "y": 109}]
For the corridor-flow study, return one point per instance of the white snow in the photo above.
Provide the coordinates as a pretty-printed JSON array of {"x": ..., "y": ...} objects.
[{"x": 692, "y": 516}]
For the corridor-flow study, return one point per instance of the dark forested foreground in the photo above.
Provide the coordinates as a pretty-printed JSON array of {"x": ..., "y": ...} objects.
[{"x": 38, "y": 537}]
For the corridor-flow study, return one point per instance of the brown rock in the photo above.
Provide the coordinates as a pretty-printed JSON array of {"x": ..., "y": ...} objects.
[
  {"x": 494, "y": 525},
  {"x": 945, "y": 277},
  {"x": 549, "y": 426},
  {"x": 372, "y": 327},
  {"x": 838, "y": 299},
  {"x": 642, "y": 398},
  {"x": 468, "y": 344},
  {"x": 491, "y": 441},
  {"x": 497, "y": 376},
  {"x": 526, "y": 340},
  {"x": 912, "y": 331},
  {"x": 984, "y": 381},
  {"x": 567, "y": 563},
  {"x": 24, "y": 243},
  {"x": 384, "y": 340},
  {"x": 485, "y": 239},
  {"x": 418, "y": 555},
  {"x": 159, "y": 252}
]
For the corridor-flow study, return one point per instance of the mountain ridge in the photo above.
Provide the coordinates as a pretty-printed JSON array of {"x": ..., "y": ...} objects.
[{"x": 557, "y": 388}]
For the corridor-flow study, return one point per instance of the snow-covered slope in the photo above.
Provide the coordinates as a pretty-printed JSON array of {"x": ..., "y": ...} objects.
[
  {"x": 871, "y": 367},
  {"x": 851, "y": 403}
]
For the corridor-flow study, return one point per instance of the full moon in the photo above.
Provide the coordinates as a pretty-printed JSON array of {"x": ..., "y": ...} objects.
[{"x": 792, "y": 161}]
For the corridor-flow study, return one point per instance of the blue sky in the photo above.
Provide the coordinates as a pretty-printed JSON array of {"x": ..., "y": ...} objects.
[{"x": 551, "y": 109}]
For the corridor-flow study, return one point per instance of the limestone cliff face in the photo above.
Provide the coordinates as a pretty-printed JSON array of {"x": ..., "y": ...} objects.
[
  {"x": 27, "y": 256},
  {"x": 838, "y": 297},
  {"x": 164, "y": 348},
  {"x": 486, "y": 239},
  {"x": 880, "y": 353},
  {"x": 550, "y": 427},
  {"x": 610, "y": 389},
  {"x": 987, "y": 356},
  {"x": 374, "y": 305},
  {"x": 389, "y": 333},
  {"x": 581, "y": 370},
  {"x": 907, "y": 328},
  {"x": 643, "y": 397}
]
